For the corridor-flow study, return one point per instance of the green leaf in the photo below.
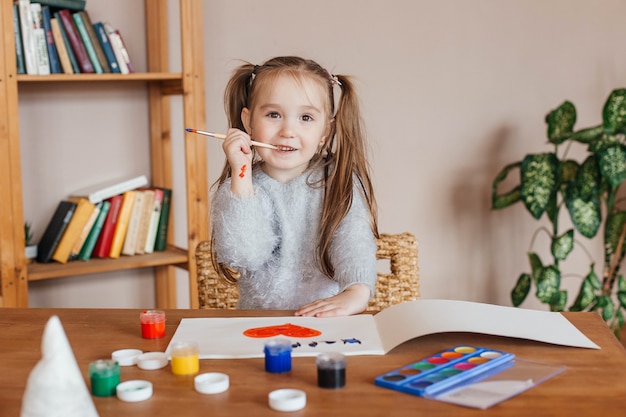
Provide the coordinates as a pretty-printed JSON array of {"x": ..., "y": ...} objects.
[
  {"x": 585, "y": 297},
  {"x": 586, "y": 215},
  {"x": 620, "y": 319},
  {"x": 604, "y": 141},
  {"x": 536, "y": 266},
  {"x": 588, "y": 135},
  {"x": 612, "y": 163},
  {"x": 593, "y": 279},
  {"x": 548, "y": 284},
  {"x": 613, "y": 230},
  {"x": 588, "y": 179},
  {"x": 521, "y": 290},
  {"x": 539, "y": 181},
  {"x": 608, "y": 307},
  {"x": 561, "y": 122},
  {"x": 614, "y": 112},
  {"x": 558, "y": 301},
  {"x": 563, "y": 245},
  {"x": 621, "y": 296},
  {"x": 621, "y": 283},
  {"x": 499, "y": 201}
]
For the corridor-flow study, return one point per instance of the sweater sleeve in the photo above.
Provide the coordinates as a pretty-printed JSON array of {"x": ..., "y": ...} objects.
[
  {"x": 243, "y": 232},
  {"x": 354, "y": 248}
]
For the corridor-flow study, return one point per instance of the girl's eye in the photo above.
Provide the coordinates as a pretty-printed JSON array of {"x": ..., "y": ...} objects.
[
  {"x": 307, "y": 118},
  {"x": 273, "y": 115}
]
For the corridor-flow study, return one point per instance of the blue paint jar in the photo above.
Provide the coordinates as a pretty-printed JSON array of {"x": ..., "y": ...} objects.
[{"x": 278, "y": 356}]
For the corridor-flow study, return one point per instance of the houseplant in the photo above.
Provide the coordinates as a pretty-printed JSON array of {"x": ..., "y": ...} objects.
[
  {"x": 30, "y": 248},
  {"x": 588, "y": 190}
]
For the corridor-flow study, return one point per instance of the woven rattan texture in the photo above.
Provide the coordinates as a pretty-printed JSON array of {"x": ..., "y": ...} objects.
[{"x": 400, "y": 284}]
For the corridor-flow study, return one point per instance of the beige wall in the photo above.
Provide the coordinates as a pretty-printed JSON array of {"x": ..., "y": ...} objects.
[{"x": 451, "y": 91}]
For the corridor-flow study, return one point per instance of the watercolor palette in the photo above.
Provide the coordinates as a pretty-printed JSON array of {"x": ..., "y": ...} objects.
[{"x": 436, "y": 373}]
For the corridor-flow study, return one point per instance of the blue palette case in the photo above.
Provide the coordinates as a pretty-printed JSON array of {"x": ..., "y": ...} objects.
[{"x": 437, "y": 373}]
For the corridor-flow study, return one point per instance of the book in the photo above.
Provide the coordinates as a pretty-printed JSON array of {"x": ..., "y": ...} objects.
[
  {"x": 41, "y": 44},
  {"x": 53, "y": 55},
  {"x": 154, "y": 221},
  {"x": 367, "y": 334},
  {"x": 103, "y": 244},
  {"x": 17, "y": 33},
  {"x": 28, "y": 37},
  {"x": 55, "y": 230},
  {"x": 81, "y": 27},
  {"x": 82, "y": 238},
  {"x": 103, "y": 38},
  {"x": 60, "y": 42},
  {"x": 122, "y": 224},
  {"x": 93, "y": 37},
  {"x": 68, "y": 45},
  {"x": 160, "y": 243},
  {"x": 121, "y": 54},
  {"x": 146, "y": 216},
  {"x": 94, "y": 233},
  {"x": 75, "y": 41},
  {"x": 108, "y": 189},
  {"x": 81, "y": 216},
  {"x": 132, "y": 233},
  {"x": 76, "y": 5}
]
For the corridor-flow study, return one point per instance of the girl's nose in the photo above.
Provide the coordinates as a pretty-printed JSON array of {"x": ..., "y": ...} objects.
[{"x": 287, "y": 130}]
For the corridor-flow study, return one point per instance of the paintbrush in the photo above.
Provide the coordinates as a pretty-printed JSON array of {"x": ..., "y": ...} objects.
[{"x": 222, "y": 137}]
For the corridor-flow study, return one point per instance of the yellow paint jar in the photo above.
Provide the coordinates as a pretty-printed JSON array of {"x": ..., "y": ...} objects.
[{"x": 185, "y": 358}]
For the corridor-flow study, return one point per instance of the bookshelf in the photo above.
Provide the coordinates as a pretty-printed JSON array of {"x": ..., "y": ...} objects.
[{"x": 160, "y": 85}]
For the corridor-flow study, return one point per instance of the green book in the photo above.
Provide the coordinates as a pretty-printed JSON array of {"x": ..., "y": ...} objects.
[
  {"x": 94, "y": 233},
  {"x": 161, "y": 238},
  {"x": 89, "y": 47}
]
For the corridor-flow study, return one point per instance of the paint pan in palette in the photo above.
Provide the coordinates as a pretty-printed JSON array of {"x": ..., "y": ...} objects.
[{"x": 437, "y": 373}]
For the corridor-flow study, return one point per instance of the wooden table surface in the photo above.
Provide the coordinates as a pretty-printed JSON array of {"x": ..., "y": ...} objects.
[{"x": 594, "y": 383}]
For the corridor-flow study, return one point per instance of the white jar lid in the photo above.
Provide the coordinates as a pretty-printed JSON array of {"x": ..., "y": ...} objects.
[
  {"x": 211, "y": 383},
  {"x": 152, "y": 360},
  {"x": 134, "y": 390},
  {"x": 287, "y": 399},
  {"x": 126, "y": 357}
]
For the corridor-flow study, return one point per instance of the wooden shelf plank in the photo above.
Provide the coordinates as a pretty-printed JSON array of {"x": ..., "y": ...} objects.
[
  {"x": 136, "y": 76},
  {"x": 172, "y": 256}
]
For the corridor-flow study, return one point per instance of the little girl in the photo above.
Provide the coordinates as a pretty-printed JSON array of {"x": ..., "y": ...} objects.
[{"x": 294, "y": 226}]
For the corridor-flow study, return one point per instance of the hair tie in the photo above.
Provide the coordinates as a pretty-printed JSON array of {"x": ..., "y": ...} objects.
[
  {"x": 254, "y": 72},
  {"x": 334, "y": 80}
]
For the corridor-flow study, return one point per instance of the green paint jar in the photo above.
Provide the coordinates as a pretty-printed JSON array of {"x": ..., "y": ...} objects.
[{"x": 104, "y": 376}]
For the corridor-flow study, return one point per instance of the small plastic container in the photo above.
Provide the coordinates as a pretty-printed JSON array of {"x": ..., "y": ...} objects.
[
  {"x": 152, "y": 324},
  {"x": 278, "y": 356},
  {"x": 185, "y": 359},
  {"x": 105, "y": 377},
  {"x": 331, "y": 370}
]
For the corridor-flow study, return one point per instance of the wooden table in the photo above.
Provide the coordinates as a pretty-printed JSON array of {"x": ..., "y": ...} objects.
[{"x": 593, "y": 384}]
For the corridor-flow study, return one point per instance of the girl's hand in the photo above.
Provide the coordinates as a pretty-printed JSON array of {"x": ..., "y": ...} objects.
[
  {"x": 352, "y": 300},
  {"x": 237, "y": 147}
]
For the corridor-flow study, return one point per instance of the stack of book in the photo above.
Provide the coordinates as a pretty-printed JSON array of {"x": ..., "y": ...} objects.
[
  {"x": 58, "y": 36},
  {"x": 106, "y": 221}
]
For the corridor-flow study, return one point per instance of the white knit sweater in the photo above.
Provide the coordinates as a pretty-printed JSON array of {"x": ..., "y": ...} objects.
[{"x": 271, "y": 239}]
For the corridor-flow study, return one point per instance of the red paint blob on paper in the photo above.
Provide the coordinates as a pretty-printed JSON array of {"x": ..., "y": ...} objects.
[
  {"x": 286, "y": 329},
  {"x": 243, "y": 171}
]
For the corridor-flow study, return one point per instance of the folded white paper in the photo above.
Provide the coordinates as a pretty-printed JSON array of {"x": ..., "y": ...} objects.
[
  {"x": 366, "y": 334},
  {"x": 55, "y": 386}
]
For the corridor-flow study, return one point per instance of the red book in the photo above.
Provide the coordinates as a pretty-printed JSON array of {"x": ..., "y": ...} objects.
[
  {"x": 75, "y": 40},
  {"x": 103, "y": 245}
]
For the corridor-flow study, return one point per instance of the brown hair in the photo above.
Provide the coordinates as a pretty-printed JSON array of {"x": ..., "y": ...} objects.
[{"x": 342, "y": 157}]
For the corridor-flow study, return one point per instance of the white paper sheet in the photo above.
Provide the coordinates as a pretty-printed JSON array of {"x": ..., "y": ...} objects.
[{"x": 220, "y": 338}]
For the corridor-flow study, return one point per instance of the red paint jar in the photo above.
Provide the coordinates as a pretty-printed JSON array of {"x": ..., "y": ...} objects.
[{"x": 152, "y": 324}]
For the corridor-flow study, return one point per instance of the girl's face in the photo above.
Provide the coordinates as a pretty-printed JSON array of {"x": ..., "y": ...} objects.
[{"x": 287, "y": 112}]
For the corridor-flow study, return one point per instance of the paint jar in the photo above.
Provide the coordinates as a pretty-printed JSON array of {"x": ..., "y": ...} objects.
[
  {"x": 185, "y": 358},
  {"x": 105, "y": 377},
  {"x": 278, "y": 356},
  {"x": 152, "y": 324},
  {"x": 331, "y": 370}
]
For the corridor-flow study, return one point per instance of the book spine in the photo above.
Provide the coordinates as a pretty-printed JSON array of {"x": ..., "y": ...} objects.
[
  {"x": 41, "y": 45},
  {"x": 94, "y": 233},
  {"x": 161, "y": 237},
  {"x": 103, "y": 38},
  {"x": 122, "y": 224},
  {"x": 103, "y": 245},
  {"x": 82, "y": 238},
  {"x": 76, "y": 5},
  {"x": 19, "y": 49},
  {"x": 81, "y": 215},
  {"x": 64, "y": 57},
  {"x": 93, "y": 37},
  {"x": 118, "y": 46},
  {"x": 154, "y": 221},
  {"x": 132, "y": 233},
  {"x": 28, "y": 39},
  {"x": 77, "y": 45},
  {"x": 53, "y": 55},
  {"x": 55, "y": 230},
  {"x": 148, "y": 205},
  {"x": 68, "y": 45},
  {"x": 84, "y": 36}
]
